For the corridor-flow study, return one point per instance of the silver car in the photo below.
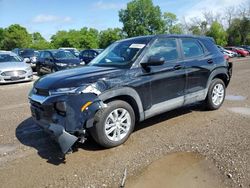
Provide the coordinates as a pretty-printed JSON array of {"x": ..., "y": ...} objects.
[{"x": 13, "y": 69}]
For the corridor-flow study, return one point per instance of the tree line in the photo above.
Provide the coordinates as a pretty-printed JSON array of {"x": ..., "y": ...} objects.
[{"x": 141, "y": 17}]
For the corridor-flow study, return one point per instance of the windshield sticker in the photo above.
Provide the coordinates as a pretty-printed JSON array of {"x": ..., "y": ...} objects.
[{"x": 140, "y": 46}]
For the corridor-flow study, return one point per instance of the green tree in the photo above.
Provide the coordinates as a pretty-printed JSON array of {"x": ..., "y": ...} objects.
[
  {"x": 1, "y": 37},
  {"x": 85, "y": 38},
  {"x": 16, "y": 36},
  {"x": 141, "y": 17},
  {"x": 171, "y": 25},
  {"x": 37, "y": 37},
  {"x": 38, "y": 42},
  {"x": 60, "y": 39},
  {"x": 109, "y": 36},
  {"x": 244, "y": 29},
  {"x": 89, "y": 38},
  {"x": 234, "y": 36},
  {"x": 217, "y": 32},
  {"x": 195, "y": 30}
]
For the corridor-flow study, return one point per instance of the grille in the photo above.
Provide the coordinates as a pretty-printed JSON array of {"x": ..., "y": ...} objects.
[
  {"x": 42, "y": 92},
  {"x": 14, "y": 73}
]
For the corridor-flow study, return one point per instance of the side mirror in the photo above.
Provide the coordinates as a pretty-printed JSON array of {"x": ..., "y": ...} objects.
[{"x": 153, "y": 61}]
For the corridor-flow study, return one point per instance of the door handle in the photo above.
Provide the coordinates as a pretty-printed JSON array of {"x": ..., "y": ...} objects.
[
  {"x": 177, "y": 67},
  {"x": 210, "y": 61}
]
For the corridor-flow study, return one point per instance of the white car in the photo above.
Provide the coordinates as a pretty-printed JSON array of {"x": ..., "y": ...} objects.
[
  {"x": 13, "y": 68},
  {"x": 227, "y": 52}
]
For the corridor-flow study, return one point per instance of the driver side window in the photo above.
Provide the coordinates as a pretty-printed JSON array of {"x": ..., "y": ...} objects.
[{"x": 164, "y": 47}]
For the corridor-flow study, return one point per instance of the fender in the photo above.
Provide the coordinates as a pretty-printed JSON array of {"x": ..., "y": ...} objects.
[
  {"x": 215, "y": 72},
  {"x": 124, "y": 91}
]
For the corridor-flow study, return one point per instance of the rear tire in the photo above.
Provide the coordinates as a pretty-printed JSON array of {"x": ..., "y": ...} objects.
[
  {"x": 216, "y": 94},
  {"x": 114, "y": 124}
]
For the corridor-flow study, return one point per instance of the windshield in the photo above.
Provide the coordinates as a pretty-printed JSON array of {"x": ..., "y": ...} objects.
[
  {"x": 9, "y": 58},
  {"x": 122, "y": 53},
  {"x": 63, "y": 54}
]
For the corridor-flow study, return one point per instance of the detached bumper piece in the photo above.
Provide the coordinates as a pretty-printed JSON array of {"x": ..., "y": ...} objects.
[
  {"x": 69, "y": 126},
  {"x": 64, "y": 139}
]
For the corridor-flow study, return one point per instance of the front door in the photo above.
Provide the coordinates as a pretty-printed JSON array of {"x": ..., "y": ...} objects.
[{"x": 167, "y": 80}]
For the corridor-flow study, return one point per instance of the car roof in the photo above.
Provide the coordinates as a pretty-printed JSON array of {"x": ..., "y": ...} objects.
[
  {"x": 7, "y": 52},
  {"x": 170, "y": 36}
]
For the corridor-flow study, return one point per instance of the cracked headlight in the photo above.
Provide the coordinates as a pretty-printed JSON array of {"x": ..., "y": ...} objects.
[
  {"x": 61, "y": 64},
  {"x": 70, "y": 90},
  {"x": 76, "y": 90}
]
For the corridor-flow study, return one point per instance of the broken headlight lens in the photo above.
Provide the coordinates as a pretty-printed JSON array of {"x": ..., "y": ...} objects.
[
  {"x": 77, "y": 90},
  {"x": 70, "y": 90}
]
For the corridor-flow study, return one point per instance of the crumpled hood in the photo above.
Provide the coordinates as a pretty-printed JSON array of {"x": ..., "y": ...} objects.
[
  {"x": 13, "y": 66},
  {"x": 76, "y": 77}
]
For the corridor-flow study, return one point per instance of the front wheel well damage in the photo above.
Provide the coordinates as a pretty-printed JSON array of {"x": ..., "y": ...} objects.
[{"x": 130, "y": 101}]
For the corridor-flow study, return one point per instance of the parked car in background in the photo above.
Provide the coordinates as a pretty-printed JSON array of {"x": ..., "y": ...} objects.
[
  {"x": 56, "y": 60},
  {"x": 130, "y": 81},
  {"x": 227, "y": 52},
  {"x": 246, "y": 48},
  {"x": 13, "y": 69},
  {"x": 17, "y": 51},
  {"x": 72, "y": 50},
  {"x": 240, "y": 51},
  {"x": 88, "y": 55},
  {"x": 29, "y": 56}
]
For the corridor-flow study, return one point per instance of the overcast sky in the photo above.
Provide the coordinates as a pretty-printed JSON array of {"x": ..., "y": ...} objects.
[{"x": 49, "y": 16}]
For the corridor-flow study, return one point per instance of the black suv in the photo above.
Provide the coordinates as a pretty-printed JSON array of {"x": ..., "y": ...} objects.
[
  {"x": 88, "y": 55},
  {"x": 130, "y": 81},
  {"x": 56, "y": 60}
]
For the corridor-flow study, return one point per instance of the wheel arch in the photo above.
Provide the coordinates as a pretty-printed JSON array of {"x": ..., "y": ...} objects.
[
  {"x": 128, "y": 95},
  {"x": 221, "y": 73}
]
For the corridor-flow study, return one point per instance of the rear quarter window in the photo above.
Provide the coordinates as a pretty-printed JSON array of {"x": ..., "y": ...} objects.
[{"x": 191, "y": 48}]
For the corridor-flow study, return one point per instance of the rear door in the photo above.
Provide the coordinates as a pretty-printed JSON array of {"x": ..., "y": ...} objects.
[{"x": 198, "y": 63}]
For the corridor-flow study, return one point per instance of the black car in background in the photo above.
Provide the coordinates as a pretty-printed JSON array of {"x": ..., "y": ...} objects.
[
  {"x": 87, "y": 55},
  {"x": 74, "y": 51},
  {"x": 56, "y": 60},
  {"x": 28, "y": 55},
  {"x": 130, "y": 81}
]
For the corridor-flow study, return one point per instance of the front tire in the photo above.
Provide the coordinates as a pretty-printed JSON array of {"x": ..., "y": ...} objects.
[
  {"x": 38, "y": 70},
  {"x": 114, "y": 124},
  {"x": 216, "y": 94}
]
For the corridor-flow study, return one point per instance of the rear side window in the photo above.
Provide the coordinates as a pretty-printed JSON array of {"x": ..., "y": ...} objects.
[{"x": 191, "y": 48}]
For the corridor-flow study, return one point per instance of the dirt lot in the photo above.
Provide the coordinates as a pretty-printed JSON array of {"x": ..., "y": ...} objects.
[{"x": 29, "y": 158}]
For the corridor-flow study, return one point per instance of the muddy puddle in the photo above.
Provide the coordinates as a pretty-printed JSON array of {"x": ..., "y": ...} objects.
[
  {"x": 240, "y": 110},
  {"x": 178, "y": 170},
  {"x": 5, "y": 148},
  {"x": 235, "y": 98}
]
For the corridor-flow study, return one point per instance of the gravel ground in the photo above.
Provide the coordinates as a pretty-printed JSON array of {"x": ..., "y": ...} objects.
[{"x": 29, "y": 158}]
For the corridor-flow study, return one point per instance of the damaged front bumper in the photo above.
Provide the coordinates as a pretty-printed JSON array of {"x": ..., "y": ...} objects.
[{"x": 65, "y": 117}]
